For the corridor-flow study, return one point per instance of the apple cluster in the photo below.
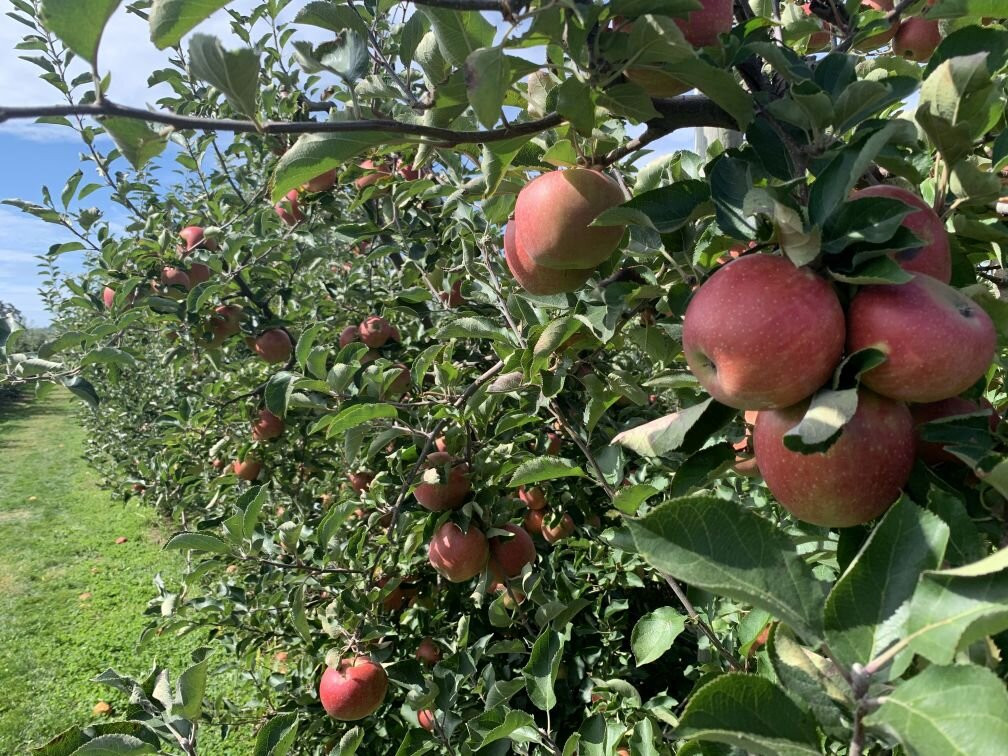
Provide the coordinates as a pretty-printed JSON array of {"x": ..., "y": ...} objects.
[
  {"x": 549, "y": 245},
  {"x": 763, "y": 335}
]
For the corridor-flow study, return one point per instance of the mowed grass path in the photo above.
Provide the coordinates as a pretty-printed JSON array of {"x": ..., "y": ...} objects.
[{"x": 71, "y": 598}]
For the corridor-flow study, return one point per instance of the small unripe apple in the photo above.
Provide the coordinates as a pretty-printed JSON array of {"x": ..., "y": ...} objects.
[
  {"x": 247, "y": 469},
  {"x": 348, "y": 336},
  {"x": 533, "y": 498},
  {"x": 853, "y": 481},
  {"x": 354, "y": 689},
  {"x": 454, "y": 485},
  {"x": 534, "y": 521},
  {"x": 559, "y": 531},
  {"x": 428, "y": 652},
  {"x": 375, "y": 331},
  {"x": 289, "y": 209},
  {"x": 323, "y": 182},
  {"x": 267, "y": 426},
  {"x": 360, "y": 481},
  {"x": 192, "y": 238},
  {"x": 426, "y": 719},
  {"x": 938, "y": 342},
  {"x": 933, "y": 452},
  {"x": 762, "y": 333},
  {"x": 552, "y": 217},
  {"x": 199, "y": 273},
  {"x": 933, "y": 257},
  {"x": 509, "y": 555},
  {"x": 456, "y": 555},
  {"x": 916, "y": 39},
  {"x": 274, "y": 346},
  {"x": 538, "y": 279}
]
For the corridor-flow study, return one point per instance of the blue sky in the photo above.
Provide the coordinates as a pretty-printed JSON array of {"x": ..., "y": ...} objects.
[{"x": 32, "y": 156}]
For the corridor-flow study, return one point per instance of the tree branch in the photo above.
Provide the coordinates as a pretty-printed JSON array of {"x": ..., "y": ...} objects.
[{"x": 503, "y": 7}]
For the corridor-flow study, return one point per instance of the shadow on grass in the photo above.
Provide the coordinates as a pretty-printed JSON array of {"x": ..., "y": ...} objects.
[{"x": 25, "y": 406}]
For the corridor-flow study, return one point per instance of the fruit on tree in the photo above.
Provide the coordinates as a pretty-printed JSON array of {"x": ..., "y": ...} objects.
[
  {"x": 400, "y": 384},
  {"x": 247, "y": 469},
  {"x": 934, "y": 452},
  {"x": 428, "y": 652},
  {"x": 534, "y": 521},
  {"x": 552, "y": 216},
  {"x": 353, "y": 689},
  {"x": 274, "y": 346},
  {"x": 348, "y": 336},
  {"x": 876, "y": 41},
  {"x": 174, "y": 279},
  {"x": 453, "y": 298},
  {"x": 509, "y": 555},
  {"x": 426, "y": 719},
  {"x": 937, "y": 341},
  {"x": 108, "y": 297},
  {"x": 762, "y": 333},
  {"x": 916, "y": 39},
  {"x": 289, "y": 209},
  {"x": 538, "y": 279},
  {"x": 853, "y": 481},
  {"x": 267, "y": 426},
  {"x": 702, "y": 27},
  {"x": 817, "y": 40},
  {"x": 408, "y": 172},
  {"x": 933, "y": 257},
  {"x": 553, "y": 443},
  {"x": 193, "y": 238},
  {"x": 559, "y": 530},
  {"x": 323, "y": 182},
  {"x": 225, "y": 322},
  {"x": 456, "y": 555},
  {"x": 374, "y": 331},
  {"x": 199, "y": 273},
  {"x": 400, "y": 596},
  {"x": 745, "y": 461},
  {"x": 533, "y": 498},
  {"x": 445, "y": 483},
  {"x": 360, "y": 481},
  {"x": 374, "y": 172}
]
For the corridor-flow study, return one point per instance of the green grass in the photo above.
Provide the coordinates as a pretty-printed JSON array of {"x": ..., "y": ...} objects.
[{"x": 71, "y": 598}]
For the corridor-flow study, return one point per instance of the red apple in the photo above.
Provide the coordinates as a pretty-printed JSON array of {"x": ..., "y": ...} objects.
[
  {"x": 453, "y": 486},
  {"x": 225, "y": 322},
  {"x": 267, "y": 426},
  {"x": 703, "y": 27},
  {"x": 348, "y": 336},
  {"x": 933, "y": 258},
  {"x": 817, "y": 40},
  {"x": 853, "y": 481},
  {"x": 933, "y": 452},
  {"x": 247, "y": 469},
  {"x": 323, "y": 182},
  {"x": 745, "y": 461},
  {"x": 289, "y": 209},
  {"x": 538, "y": 279},
  {"x": 192, "y": 238},
  {"x": 408, "y": 172},
  {"x": 509, "y": 555},
  {"x": 354, "y": 689},
  {"x": 938, "y": 342},
  {"x": 916, "y": 39},
  {"x": 361, "y": 481},
  {"x": 375, "y": 172},
  {"x": 199, "y": 273},
  {"x": 534, "y": 521},
  {"x": 274, "y": 346},
  {"x": 533, "y": 498},
  {"x": 761, "y": 333},
  {"x": 877, "y": 40},
  {"x": 108, "y": 297},
  {"x": 453, "y": 298},
  {"x": 456, "y": 555},
  {"x": 400, "y": 596},
  {"x": 400, "y": 384},
  {"x": 175, "y": 281},
  {"x": 552, "y": 217},
  {"x": 559, "y": 531},
  {"x": 375, "y": 331},
  {"x": 428, "y": 652},
  {"x": 554, "y": 443},
  {"x": 426, "y": 719}
]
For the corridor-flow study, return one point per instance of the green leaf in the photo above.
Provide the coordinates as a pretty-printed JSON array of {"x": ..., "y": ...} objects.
[
  {"x": 495, "y": 724},
  {"x": 810, "y": 679},
  {"x": 671, "y": 207},
  {"x": 331, "y": 16},
  {"x": 861, "y": 617},
  {"x": 721, "y": 547},
  {"x": 800, "y": 245},
  {"x": 278, "y": 392},
  {"x": 351, "y": 741},
  {"x": 487, "y": 75},
  {"x": 700, "y": 467},
  {"x": 730, "y": 182},
  {"x": 750, "y": 713},
  {"x": 171, "y": 19},
  {"x": 358, "y": 414},
  {"x": 544, "y": 468},
  {"x": 313, "y": 154},
  {"x": 823, "y": 421},
  {"x": 946, "y": 710},
  {"x": 78, "y": 23},
  {"x": 574, "y": 103},
  {"x": 115, "y": 745},
  {"x": 655, "y": 633},
  {"x": 276, "y": 736},
  {"x": 137, "y": 142},
  {"x": 299, "y": 619},
  {"x": 190, "y": 688},
  {"x": 952, "y": 608},
  {"x": 458, "y": 34},
  {"x": 109, "y": 356},
  {"x": 189, "y": 541},
  {"x": 253, "y": 501},
  {"x": 629, "y": 499},
  {"x": 685, "y": 431},
  {"x": 472, "y": 328},
  {"x": 234, "y": 72},
  {"x": 82, "y": 388},
  {"x": 957, "y": 105},
  {"x": 541, "y": 671}
]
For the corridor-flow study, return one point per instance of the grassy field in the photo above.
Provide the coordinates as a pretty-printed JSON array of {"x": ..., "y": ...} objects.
[{"x": 71, "y": 598}]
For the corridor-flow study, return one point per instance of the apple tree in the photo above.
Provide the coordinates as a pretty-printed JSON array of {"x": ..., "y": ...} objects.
[{"x": 486, "y": 426}]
